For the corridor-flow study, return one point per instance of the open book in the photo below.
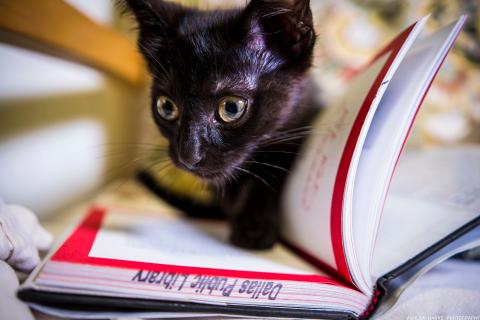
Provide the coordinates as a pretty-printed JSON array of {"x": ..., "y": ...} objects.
[{"x": 347, "y": 252}]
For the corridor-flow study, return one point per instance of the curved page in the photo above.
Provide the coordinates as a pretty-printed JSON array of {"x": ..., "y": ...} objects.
[{"x": 314, "y": 201}]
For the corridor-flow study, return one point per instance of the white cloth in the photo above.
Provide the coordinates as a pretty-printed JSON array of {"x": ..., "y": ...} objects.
[
  {"x": 451, "y": 290},
  {"x": 21, "y": 236},
  {"x": 10, "y": 306}
]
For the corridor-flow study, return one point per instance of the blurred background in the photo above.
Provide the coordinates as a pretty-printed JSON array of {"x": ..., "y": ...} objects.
[{"x": 74, "y": 107}]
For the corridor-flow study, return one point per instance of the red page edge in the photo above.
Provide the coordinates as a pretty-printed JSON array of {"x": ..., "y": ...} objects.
[
  {"x": 339, "y": 187},
  {"x": 341, "y": 272},
  {"x": 340, "y": 181}
]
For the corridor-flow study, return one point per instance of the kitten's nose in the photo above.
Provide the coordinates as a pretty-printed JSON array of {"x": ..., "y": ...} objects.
[
  {"x": 191, "y": 160},
  {"x": 190, "y": 151}
]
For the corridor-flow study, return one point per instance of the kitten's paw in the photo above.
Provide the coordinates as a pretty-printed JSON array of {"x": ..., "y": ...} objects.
[{"x": 257, "y": 235}]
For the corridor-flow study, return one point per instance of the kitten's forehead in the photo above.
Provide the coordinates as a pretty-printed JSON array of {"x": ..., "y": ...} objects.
[
  {"x": 207, "y": 33},
  {"x": 203, "y": 21},
  {"x": 238, "y": 82},
  {"x": 227, "y": 69},
  {"x": 211, "y": 55}
]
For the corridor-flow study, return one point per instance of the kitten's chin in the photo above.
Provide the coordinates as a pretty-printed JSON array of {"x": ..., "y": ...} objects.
[
  {"x": 218, "y": 173},
  {"x": 217, "y": 177},
  {"x": 212, "y": 177}
]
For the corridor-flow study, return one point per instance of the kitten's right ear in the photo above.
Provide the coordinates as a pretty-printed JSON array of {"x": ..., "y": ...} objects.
[
  {"x": 157, "y": 21},
  {"x": 158, "y": 14}
]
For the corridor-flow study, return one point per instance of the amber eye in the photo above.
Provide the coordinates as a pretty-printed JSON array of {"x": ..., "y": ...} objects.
[
  {"x": 167, "y": 109},
  {"x": 232, "y": 108}
]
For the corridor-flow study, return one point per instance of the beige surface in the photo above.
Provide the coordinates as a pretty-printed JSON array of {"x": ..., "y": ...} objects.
[{"x": 56, "y": 27}]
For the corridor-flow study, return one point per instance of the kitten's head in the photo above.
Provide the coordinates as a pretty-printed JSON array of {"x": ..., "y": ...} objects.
[{"x": 224, "y": 81}]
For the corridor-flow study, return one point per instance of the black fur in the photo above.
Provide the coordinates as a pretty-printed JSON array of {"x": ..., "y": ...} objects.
[{"x": 262, "y": 53}]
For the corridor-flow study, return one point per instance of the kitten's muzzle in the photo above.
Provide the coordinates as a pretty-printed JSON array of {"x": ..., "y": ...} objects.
[
  {"x": 190, "y": 162},
  {"x": 199, "y": 167}
]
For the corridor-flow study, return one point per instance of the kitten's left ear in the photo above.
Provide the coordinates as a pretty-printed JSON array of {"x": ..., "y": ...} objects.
[{"x": 288, "y": 23}]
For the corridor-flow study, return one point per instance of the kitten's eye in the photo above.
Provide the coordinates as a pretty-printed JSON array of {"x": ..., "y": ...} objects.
[
  {"x": 167, "y": 109},
  {"x": 232, "y": 108}
]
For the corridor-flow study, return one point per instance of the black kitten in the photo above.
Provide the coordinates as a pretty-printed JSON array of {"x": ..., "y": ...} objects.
[{"x": 231, "y": 93}]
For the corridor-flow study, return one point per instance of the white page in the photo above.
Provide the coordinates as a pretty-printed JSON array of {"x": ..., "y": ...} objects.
[
  {"x": 386, "y": 135},
  {"x": 174, "y": 241},
  {"x": 433, "y": 193}
]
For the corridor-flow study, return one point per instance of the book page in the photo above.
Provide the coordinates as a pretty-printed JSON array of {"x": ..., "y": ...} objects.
[
  {"x": 129, "y": 253},
  {"x": 433, "y": 193},
  {"x": 129, "y": 235},
  {"x": 130, "y": 246},
  {"x": 308, "y": 198},
  {"x": 386, "y": 136},
  {"x": 318, "y": 197}
]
